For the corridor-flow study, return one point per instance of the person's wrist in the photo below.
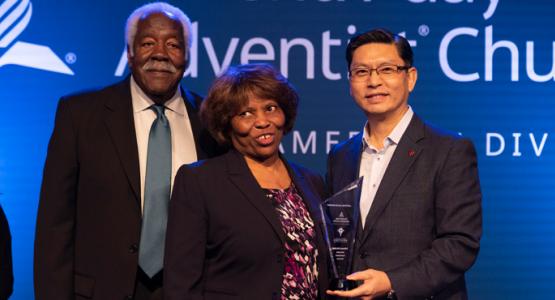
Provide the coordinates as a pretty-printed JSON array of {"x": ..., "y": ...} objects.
[{"x": 390, "y": 294}]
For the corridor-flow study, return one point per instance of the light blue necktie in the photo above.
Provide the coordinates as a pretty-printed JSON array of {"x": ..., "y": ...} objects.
[{"x": 157, "y": 194}]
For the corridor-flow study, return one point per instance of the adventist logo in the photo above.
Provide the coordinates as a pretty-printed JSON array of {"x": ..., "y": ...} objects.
[{"x": 14, "y": 18}]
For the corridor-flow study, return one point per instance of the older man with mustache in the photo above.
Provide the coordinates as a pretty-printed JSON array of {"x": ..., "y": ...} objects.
[{"x": 111, "y": 161}]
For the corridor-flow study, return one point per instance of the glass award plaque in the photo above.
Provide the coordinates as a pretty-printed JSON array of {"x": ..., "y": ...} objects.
[{"x": 340, "y": 215}]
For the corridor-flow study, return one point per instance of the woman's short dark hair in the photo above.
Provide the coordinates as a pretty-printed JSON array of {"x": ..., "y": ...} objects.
[
  {"x": 382, "y": 36},
  {"x": 232, "y": 90}
]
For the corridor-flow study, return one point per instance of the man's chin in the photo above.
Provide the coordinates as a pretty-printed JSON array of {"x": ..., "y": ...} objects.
[{"x": 158, "y": 94}]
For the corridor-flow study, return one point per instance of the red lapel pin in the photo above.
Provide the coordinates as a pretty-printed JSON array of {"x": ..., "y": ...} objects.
[{"x": 411, "y": 152}]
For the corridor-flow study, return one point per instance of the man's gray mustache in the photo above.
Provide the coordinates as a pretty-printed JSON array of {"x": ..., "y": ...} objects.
[{"x": 159, "y": 66}]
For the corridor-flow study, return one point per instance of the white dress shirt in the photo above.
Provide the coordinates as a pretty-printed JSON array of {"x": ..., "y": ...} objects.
[
  {"x": 374, "y": 162},
  {"x": 183, "y": 142}
]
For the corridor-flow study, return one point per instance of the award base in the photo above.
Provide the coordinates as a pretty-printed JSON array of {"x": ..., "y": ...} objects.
[{"x": 342, "y": 284}]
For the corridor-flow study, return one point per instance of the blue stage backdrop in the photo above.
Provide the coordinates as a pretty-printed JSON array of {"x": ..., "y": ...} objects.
[{"x": 486, "y": 70}]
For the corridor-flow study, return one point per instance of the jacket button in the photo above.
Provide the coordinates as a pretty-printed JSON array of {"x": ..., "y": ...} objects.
[
  {"x": 133, "y": 249},
  {"x": 363, "y": 255},
  {"x": 128, "y": 297}
]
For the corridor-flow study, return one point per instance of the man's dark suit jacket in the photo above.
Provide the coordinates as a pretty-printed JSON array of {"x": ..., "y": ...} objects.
[
  {"x": 6, "y": 272},
  {"x": 425, "y": 223},
  {"x": 89, "y": 217},
  {"x": 225, "y": 240}
]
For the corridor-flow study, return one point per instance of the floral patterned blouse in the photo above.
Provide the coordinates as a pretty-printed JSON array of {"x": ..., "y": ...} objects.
[{"x": 300, "y": 277}]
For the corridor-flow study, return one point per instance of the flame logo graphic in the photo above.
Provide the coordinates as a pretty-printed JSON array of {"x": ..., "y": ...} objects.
[
  {"x": 7, "y": 36},
  {"x": 14, "y": 18}
]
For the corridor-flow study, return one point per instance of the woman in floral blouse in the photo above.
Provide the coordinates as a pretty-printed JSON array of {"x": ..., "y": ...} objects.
[{"x": 246, "y": 225}]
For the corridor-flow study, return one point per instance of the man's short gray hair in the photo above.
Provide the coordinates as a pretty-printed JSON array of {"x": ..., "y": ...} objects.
[{"x": 156, "y": 7}]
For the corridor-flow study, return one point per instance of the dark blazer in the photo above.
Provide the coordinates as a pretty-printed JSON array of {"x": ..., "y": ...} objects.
[
  {"x": 225, "y": 239},
  {"x": 425, "y": 223},
  {"x": 6, "y": 272},
  {"x": 89, "y": 216}
]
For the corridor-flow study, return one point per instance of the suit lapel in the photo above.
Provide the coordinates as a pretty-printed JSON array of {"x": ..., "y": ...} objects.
[
  {"x": 118, "y": 117},
  {"x": 192, "y": 103},
  {"x": 312, "y": 201},
  {"x": 241, "y": 176},
  {"x": 306, "y": 192},
  {"x": 347, "y": 165},
  {"x": 405, "y": 155},
  {"x": 205, "y": 145}
]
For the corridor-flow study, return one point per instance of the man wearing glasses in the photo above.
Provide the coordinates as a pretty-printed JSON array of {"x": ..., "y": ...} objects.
[{"x": 421, "y": 216}]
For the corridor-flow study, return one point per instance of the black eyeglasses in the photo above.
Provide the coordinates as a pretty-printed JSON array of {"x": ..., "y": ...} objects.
[{"x": 363, "y": 73}]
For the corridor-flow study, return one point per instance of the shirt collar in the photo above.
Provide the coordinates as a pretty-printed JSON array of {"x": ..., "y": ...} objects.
[
  {"x": 395, "y": 135},
  {"x": 142, "y": 102}
]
